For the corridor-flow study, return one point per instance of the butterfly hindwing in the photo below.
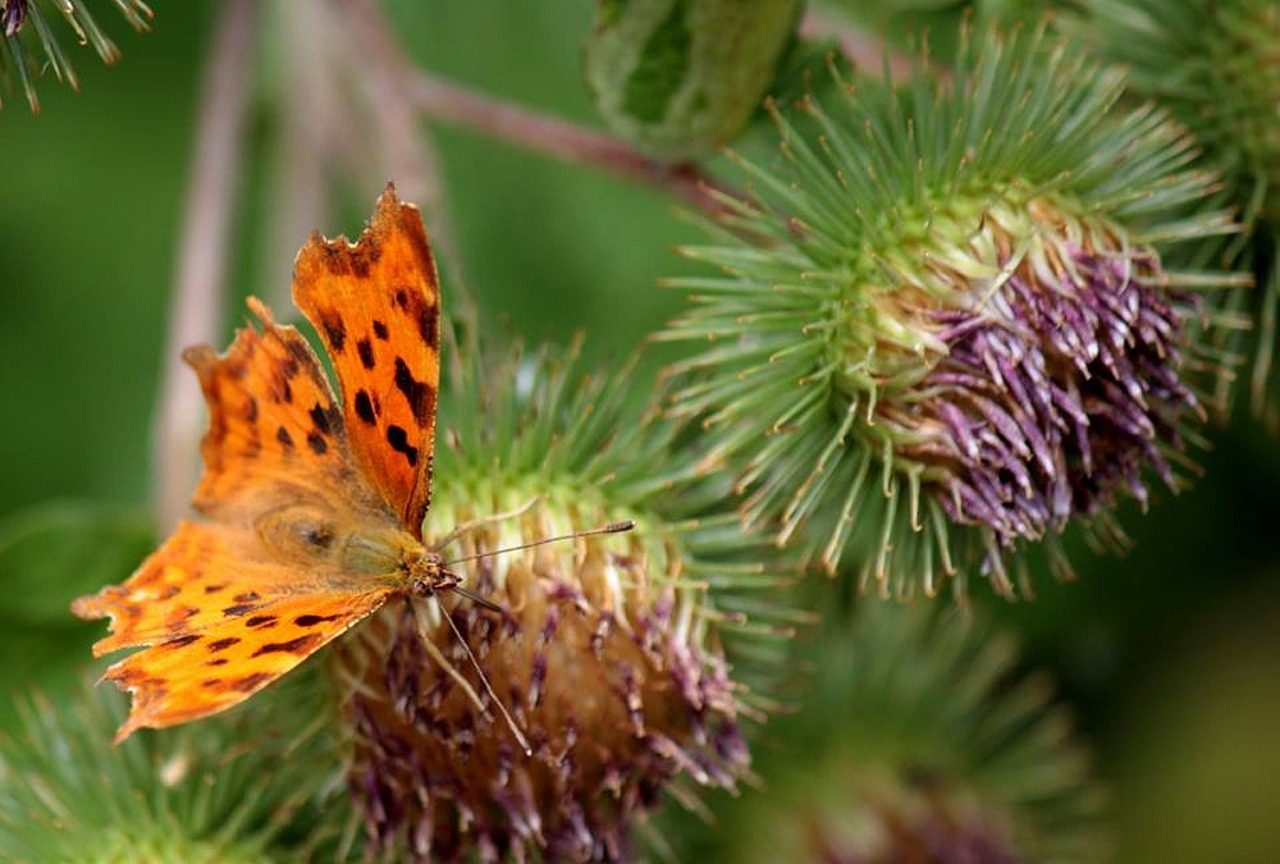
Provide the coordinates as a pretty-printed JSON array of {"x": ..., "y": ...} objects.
[
  {"x": 221, "y": 617},
  {"x": 376, "y": 306},
  {"x": 274, "y": 428}
]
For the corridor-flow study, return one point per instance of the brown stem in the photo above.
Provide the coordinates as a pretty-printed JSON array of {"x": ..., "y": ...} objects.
[
  {"x": 196, "y": 314},
  {"x": 385, "y": 70},
  {"x": 311, "y": 112},
  {"x": 439, "y": 99},
  {"x": 559, "y": 139}
]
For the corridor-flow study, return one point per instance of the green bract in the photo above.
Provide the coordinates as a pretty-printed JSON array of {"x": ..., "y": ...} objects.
[{"x": 944, "y": 331}]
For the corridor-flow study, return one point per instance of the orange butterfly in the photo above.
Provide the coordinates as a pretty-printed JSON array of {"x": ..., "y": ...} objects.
[{"x": 313, "y": 512}]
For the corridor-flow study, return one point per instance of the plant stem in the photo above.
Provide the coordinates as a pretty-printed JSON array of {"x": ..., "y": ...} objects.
[
  {"x": 297, "y": 176},
  {"x": 196, "y": 314},
  {"x": 559, "y": 139},
  {"x": 438, "y": 99},
  {"x": 409, "y": 153}
]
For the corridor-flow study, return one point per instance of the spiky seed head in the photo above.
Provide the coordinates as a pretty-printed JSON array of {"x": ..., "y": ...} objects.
[
  {"x": 945, "y": 330},
  {"x": 193, "y": 795},
  {"x": 607, "y": 650},
  {"x": 1226, "y": 91},
  {"x": 917, "y": 742}
]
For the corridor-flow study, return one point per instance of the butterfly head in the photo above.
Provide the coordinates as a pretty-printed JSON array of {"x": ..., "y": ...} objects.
[{"x": 427, "y": 575}]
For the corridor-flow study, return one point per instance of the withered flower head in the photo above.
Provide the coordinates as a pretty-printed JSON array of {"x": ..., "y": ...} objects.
[
  {"x": 606, "y": 650},
  {"x": 948, "y": 333}
]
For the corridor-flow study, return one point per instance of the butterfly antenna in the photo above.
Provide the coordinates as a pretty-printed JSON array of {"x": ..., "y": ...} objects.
[
  {"x": 472, "y": 524},
  {"x": 611, "y": 528},
  {"x": 439, "y": 657}
]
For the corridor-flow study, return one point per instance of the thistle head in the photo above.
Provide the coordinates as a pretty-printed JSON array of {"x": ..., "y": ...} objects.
[
  {"x": 915, "y": 742},
  {"x": 945, "y": 330},
  {"x": 1227, "y": 87},
  {"x": 13, "y": 14},
  {"x": 606, "y": 651},
  {"x": 190, "y": 796}
]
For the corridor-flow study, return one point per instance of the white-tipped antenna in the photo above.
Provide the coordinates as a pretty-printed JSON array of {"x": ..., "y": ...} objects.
[
  {"x": 438, "y": 656},
  {"x": 611, "y": 528}
]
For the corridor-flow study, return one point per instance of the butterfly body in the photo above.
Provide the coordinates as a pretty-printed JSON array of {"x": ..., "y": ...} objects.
[
  {"x": 311, "y": 509},
  {"x": 307, "y": 536}
]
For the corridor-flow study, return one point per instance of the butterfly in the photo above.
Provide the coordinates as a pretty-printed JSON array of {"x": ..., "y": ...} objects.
[{"x": 312, "y": 508}]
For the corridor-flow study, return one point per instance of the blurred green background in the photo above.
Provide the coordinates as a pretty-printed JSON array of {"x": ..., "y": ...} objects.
[{"x": 1171, "y": 655}]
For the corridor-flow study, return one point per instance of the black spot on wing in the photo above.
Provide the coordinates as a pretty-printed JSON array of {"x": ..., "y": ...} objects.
[
  {"x": 317, "y": 443},
  {"x": 418, "y": 394},
  {"x": 215, "y": 588},
  {"x": 399, "y": 441},
  {"x": 251, "y": 682},
  {"x": 335, "y": 330},
  {"x": 324, "y": 419},
  {"x": 237, "y": 611},
  {"x": 236, "y": 368},
  {"x": 299, "y": 356},
  {"x": 179, "y": 641},
  {"x": 365, "y": 348},
  {"x": 380, "y": 330},
  {"x": 293, "y": 646},
  {"x": 281, "y": 390},
  {"x": 223, "y": 644},
  {"x": 283, "y": 436},
  {"x": 251, "y": 409},
  {"x": 267, "y": 621},
  {"x": 365, "y": 409},
  {"x": 313, "y": 620},
  {"x": 429, "y": 325},
  {"x": 247, "y": 597},
  {"x": 401, "y": 299}
]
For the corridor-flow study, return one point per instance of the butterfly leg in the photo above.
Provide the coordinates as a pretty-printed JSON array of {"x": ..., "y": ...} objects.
[{"x": 424, "y": 627}]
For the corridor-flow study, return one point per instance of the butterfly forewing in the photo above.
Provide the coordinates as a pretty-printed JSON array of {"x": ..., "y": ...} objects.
[{"x": 376, "y": 305}]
